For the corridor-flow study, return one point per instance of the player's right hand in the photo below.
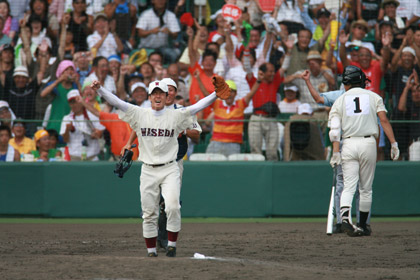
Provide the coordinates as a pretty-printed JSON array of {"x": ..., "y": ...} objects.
[
  {"x": 395, "y": 152},
  {"x": 335, "y": 159}
]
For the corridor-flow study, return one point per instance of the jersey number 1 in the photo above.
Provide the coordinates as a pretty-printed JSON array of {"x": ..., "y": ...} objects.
[{"x": 357, "y": 104}]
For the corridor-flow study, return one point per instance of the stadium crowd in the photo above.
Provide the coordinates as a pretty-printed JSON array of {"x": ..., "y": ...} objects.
[{"x": 52, "y": 50}]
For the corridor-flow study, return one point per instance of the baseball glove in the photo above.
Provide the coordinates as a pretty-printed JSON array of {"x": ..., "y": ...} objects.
[{"x": 221, "y": 87}]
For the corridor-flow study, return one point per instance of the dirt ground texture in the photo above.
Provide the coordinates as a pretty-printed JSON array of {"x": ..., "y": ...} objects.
[{"x": 241, "y": 251}]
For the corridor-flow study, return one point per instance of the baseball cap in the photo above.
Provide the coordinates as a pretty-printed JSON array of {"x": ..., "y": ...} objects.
[
  {"x": 157, "y": 84},
  {"x": 323, "y": 12},
  {"x": 73, "y": 94},
  {"x": 100, "y": 15},
  {"x": 386, "y": 2},
  {"x": 39, "y": 134},
  {"x": 386, "y": 22},
  {"x": 4, "y": 104},
  {"x": 21, "y": 71},
  {"x": 7, "y": 47},
  {"x": 136, "y": 75},
  {"x": 314, "y": 55},
  {"x": 305, "y": 108},
  {"x": 114, "y": 57},
  {"x": 292, "y": 88},
  {"x": 409, "y": 50},
  {"x": 170, "y": 82},
  {"x": 136, "y": 85},
  {"x": 231, "y": 84}
]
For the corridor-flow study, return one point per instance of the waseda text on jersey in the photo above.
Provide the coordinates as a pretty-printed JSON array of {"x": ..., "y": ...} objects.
[{"x": 157, "y": 132}]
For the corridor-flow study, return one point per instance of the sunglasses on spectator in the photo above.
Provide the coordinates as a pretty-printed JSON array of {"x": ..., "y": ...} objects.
[
  {"x": 360, "y": 27},
  {"x": 356, "y": 48}
]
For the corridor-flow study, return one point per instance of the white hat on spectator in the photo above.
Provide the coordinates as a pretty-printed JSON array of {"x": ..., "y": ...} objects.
[
  {"x": 305, "y": 108},
  {"x": 292, "y": 88},
  {"x": 157, "y": 84},
  {"x": 409, "y": 50},
  {"x": 4, "y": 104},
  {"x": 170, "y": 82},
  {"x": 73, "y": 94},
  {"x": 21, "y": 71},
  {"x": 136, "y": 85}
]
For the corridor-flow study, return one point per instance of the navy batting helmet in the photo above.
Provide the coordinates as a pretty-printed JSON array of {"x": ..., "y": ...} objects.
[{"x": 353, "y": 75}]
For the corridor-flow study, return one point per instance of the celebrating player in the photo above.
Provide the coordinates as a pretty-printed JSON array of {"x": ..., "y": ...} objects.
[
  {"x": 355, "y": 114},
  {"x": 158, "y": 129}
]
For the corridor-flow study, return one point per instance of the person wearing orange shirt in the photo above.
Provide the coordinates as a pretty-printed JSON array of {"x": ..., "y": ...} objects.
[{"x": 228, "y": 127}]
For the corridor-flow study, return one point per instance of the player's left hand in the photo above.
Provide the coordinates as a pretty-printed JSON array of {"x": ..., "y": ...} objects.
[
  {"x": 335, "y": 159},
  {"x": 221, "y": 87},
  {"x": 395, "y": 152}
]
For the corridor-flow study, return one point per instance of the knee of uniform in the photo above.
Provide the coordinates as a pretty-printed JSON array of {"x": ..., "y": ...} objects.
[
  {"x": 150, "y": 212},
  {"x": 172, "y": 206}
]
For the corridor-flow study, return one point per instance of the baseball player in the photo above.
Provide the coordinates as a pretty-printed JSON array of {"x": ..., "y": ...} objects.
[
  {"x": 354, "y": 115},
  {"x": 193, "y": 133},
  {"x": 328, "y": 99},
  {"x": 158, "y": 129}
]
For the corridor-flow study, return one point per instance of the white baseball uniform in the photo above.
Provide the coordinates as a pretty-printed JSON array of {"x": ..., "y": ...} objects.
[
  {"x": 157, "y": 133},
  {"x": 357, "y": 110}
]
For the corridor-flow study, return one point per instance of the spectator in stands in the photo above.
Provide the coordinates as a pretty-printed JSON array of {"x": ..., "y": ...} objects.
[
  {"x": 388, "y": 12},
  {"x": 358, "y": 31},
  {"x": 104, "y": 41},
  {"x": 7, "y": 152},
  {"x": 368, "y": 11},
  {"x": 44, "y": 150},
  {"x": 323, "y": 80},
  {"x": 66, "y": 81},
  {"x": 139, "y": 95},
  {"x": 50, "y": 25},
  {"x": 155, "y": 26},
  {"x": 156, "y": 60},
  {"x": 82, "y": 61},
  {"x": 303, "y": 140},
  {"x": 11, "y": 24},
  {"x": 402, "y": 67},
  {"x": 173, "y": 73},
  {"x": 80, "y": 24},
  {"x": 409, "y": 11},
  {"x": 221, "y": 33},
  {"x": 262, "y": 123},
  {"x": 291, "y": 102},
  {"x": 227, "y": 134},
  {"x": 114, "y": 62},
  {"x": 7, "y": 63},
  {"x": 20, "y": 142},
  {"x": 90, "y": 96},
  {"x": 54, "y": 138},
  {"x": 411, "y": 109},
  {"x": 20, "y": 93},
  {"x": 6, "y": 114},
  {"x": 386, "y": 27},
  {"x": 289, "y": 14},
  {"x": 4, "y": 39},
  {"x": 81, "y": 130},
  {"x": 148, "y": 73},
  {"x": 100, "y": 67},
  {"x": 299, "y": 51},
  {"x": 125, "y": 18},
  {"x": 373, "y": 69}
]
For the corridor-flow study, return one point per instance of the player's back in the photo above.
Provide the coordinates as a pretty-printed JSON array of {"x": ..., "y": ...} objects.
[{"x": 358, "y": 110}]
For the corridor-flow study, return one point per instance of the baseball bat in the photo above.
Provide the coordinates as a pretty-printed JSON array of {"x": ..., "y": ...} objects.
[{"x": 330, "y": 219}]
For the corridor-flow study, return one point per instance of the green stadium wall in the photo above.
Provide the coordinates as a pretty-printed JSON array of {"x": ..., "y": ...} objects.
[{"x": 210, "y": 189}]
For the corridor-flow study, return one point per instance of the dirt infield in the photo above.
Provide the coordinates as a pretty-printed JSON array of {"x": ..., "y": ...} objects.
[{"x": 241, "y": 251}]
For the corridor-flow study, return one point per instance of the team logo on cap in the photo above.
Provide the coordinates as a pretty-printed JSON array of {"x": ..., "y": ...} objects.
[{"x": 157, "y": 83}]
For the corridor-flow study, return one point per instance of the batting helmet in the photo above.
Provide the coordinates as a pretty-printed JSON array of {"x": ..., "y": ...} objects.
[{"x": 353, "y": 75}]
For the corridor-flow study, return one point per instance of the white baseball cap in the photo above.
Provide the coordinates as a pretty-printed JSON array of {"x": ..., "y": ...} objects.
[
  {"x": 305, "y": 108},
  {"x": 21, "y": 71},
  {"x": 158, "y": 84},
  {"x": 136, "y": 85},
  {"x": 4, "y": 104},
  {"x": 409, "y": 50},
  {"x": 170, "y": 82},
  {"x": 292, "y": 88},
  {"x": 73, "y": 94}
]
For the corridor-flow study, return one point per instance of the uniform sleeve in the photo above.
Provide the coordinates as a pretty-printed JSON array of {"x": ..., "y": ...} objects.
[
  {"x": 184, "y": 119},
  {"x": 380, "y": 107},
  {"x": 196, "y": 125},
  {"x": 132, "y": 116},
  {"x": 335, "y": 110}
]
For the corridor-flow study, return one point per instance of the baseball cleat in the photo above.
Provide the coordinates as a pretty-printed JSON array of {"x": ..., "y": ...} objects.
[
  {"x": 351, "y": 230},
  {"x": 367, "y": 231},
  {"x": 152, "y": 255},
  {"x": 171, "y": 251}
]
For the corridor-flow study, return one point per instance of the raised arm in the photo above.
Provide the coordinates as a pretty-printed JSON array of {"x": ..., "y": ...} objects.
[
  {"x": 402, "y": 103},
  {"x": 315, "y": 95},
  {"x": 110, "y": 97},
  {"x": 343, "y": 40},
  {"x": 254, "y": 88},
  {"x": 202, "y": 104}
]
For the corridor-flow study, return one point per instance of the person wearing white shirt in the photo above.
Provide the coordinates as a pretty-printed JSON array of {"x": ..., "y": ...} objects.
[
  {"x": 100, "y": 72},
  {"x": 154, "y": 26},
  {"x": 102, "y": 40},
  {"x": 81, "y": 130}
]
